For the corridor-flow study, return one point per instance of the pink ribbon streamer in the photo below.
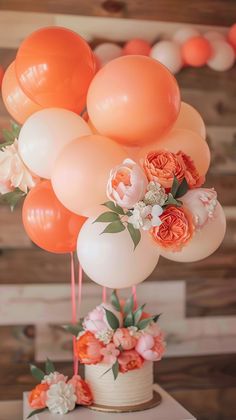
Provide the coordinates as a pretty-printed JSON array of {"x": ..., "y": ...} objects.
[
  {"x": 73, "y": 306},
  {"x": 134, "y": 293},
  {"x": 80, "y": 279},
  {"x": 104, "y": 295}
]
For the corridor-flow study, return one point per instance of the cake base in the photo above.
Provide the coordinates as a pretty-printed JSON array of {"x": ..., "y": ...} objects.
[{"x": 156, "y": 400}]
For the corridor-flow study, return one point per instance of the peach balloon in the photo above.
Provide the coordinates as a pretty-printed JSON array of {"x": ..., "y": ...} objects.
[
  {"x": 185, "y": 33},
  {"x": 82, "y": 171},
  {"x": 110, "y": 259},
  {"x": 133, "y": 100},
  {"x": 204, "y": 242},
  {"x": 137, "y": 46},
  {"x": 1, "y": 75},
  {"x": 223, "y": 56},
  {"x": 44, "y": 135},
  {"x": 190, "y": 119},
  {"x": 186, "y": 141},
  {"x": 196, "y": 51},
  {"x": 169, "y": 54},
  {"x": 19, "y": 106},
  {"x": 232, "y": 36},
  {"x": 106, "y": 52}
]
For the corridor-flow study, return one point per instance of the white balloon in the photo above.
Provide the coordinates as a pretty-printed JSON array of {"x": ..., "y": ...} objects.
[
  {"x": 223, "y": 56},
  {"x": 185, "y": 33},
  {"x": 110, "y": 260},
  {"x": 107, "y": 52},
  {"x": 204, "y": 242},
  {"x": 43, "y": 136},
  {"x": 214, "y": 36},
  {"x": 169, "y": 54}
]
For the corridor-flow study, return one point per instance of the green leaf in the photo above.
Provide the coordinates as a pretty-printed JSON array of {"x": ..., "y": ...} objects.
[
  {"x": 37, "y": 373},
  {"x": 8, "y": 135},
  {"x": 114, "y": 207},
  {"x": 183, "y": 188},
  {"x": 33, "y": 413},
  {"x": 49, "y": 367},
  {"x": 15, "y": 128},
  {"x": 115, "y": 369},
  {"x": 129, "y": 320},
  {"x": 115, "y": 301},
  {"x": 12, "y": 198},
  {"x": 175, "y": 186},
  {"x": 112, "y": 320},
  {"x": 129, "y": 305},
  {"x": 134, "y": 233},
  {"x": 144, "y": 323},
  {"x": 138, "y": 314},
  {"x": 156, "y": 317},
  {"x": 74, "y": 329},
  {"x": 114, "y": 227},
  {"x": 106, "y": 371},
  {"x": 106, "y": 217},
  {"x": 172, "y": 201}
]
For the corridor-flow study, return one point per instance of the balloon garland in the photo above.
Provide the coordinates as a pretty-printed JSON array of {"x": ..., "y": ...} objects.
[{"x": 188, "y": 47}]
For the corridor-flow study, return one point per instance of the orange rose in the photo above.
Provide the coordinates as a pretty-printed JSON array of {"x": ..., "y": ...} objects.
[
  {"x": 37, "y": 397},
  {"x": 88, "y": 349},
  {"x": 82, "y": 390},
  {"x": 129, "y": 360},
  {"x": 176, "y": 229},
  {"x": 191, "y": 174},
  {"x": 161, "y": 166}
]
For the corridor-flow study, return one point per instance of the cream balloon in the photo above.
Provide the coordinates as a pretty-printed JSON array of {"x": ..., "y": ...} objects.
[
  {"x": 185, "y": 33},
  {"x": 190, "y": 119},
  {"x": 107, "y": 52},
  {"x": 204, "y": 242},
  {"x": 110, "y": 260},
  {"x": 223, "y": 56},
  {"x": 43, "y": 136},
  {"x": 169, "y": 54},
  {"x": 214, "y": 36},
  {"x": 186, "y": 141},
  {"x": 82, "y": 170}
]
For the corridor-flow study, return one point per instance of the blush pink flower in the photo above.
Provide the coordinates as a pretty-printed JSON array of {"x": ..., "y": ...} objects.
[
  {"x": 129, "y": 360},
  {"x": 201, "y": 202},
  {"x": 54, "y": 378},
  {"x": 96, "y": 322},
  {"x": 13, "y": 172},
  {"x": 110, "y": 354},
  {"x": 127, "y": 184},
  {"x": 38, "y": 396},
  {"x": 123, "y": 338},
  {"x": 82, "y": 390},
  {"x": 151, "y": 348}
]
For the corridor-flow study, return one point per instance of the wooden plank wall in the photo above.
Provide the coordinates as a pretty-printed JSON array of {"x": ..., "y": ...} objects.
[{"x": 198, "y": 300}]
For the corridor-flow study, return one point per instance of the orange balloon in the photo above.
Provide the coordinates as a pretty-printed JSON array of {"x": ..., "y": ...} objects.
[
  {"x": 196, "y": 51},
  {"x": 137, "y": 46},
  {"x": 82, "y": 170},
  {"x": 54, "y": 67},
  {"x": 232, "y": 36},
  {"x": 1, "y": 75},
  {"x": 185, "y": 141},
  {"x": 48, "y": 223},
  {"x": 19, "y": 106},
  {"x": 133, "y": 100},
  {"x": 190, "y": 119}
]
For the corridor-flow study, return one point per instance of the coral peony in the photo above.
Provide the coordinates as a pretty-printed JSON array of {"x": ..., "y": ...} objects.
[
  {"x": 129, "y": 360},
  {"x": 151, "y": 348},
  {"x": 82, "y": 390},
  {"x": 176, "y": 229},
  {"x": 191, "y": 175},
  {"x": 127, "y": 184},
  {"x": 88, "y": 349},
  {"x": 123, "y": 338},
  {"x": 38, "y": 396}
]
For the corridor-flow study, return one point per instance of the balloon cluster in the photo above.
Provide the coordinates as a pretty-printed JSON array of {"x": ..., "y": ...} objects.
[
  {"x": 79, "y": 162},
  {"x": 188, "y": 47}
]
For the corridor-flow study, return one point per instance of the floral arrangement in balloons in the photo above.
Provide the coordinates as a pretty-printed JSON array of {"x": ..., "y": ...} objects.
[
  {"x": 187, "y": 47},
  {"x": 120, "y": 336},
  {"x": 55, "y": 392}
]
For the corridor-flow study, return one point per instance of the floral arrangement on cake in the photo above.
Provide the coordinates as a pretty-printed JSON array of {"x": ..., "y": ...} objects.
[
  {"x": 119, "y": 335},
  {"x": 56, "y": 392}
]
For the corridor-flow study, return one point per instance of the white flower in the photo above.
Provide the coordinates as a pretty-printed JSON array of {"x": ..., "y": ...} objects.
[
  {"x": 155, "y": 194},
  {"x": 13, "y": 172},
  {"x": 105, "y": 335},
  {"x": 145, "y": 217},
  {"x": 61, "y": 398},
  {"x": 134, "y": 331},
  {"x": 54, "y": 378}
]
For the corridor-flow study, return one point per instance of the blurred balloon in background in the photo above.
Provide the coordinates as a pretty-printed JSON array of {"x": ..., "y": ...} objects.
[
  {"x": 107, "y": 51},
  {"x": 137, "y": 46},
  {"x": 223, "y": 56},
  {"x": 169, "y": 54},
  {"x": 196, "y": 51}
]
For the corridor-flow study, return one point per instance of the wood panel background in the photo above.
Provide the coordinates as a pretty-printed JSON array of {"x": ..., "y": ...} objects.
[{"x": 198, "y": 300}]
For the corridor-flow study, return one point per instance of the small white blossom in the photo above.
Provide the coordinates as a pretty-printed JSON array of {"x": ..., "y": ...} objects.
[
  {"x": 61, "y": 398},
  {"x": 105, "y": 335},
  {"x": 134, "y": 331},
  {"x": 145, "y": 217},
  {"x": 155, "y": 194},
  {"x": 54, "y": 378}
]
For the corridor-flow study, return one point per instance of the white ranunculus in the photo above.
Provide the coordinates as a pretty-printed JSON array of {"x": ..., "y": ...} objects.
[
  {"x": 54, "y": 378},
  {"x": 61, "y": 398},
  {"x": 13, "y": 172},
  {"x": 145, "y": 217}
]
